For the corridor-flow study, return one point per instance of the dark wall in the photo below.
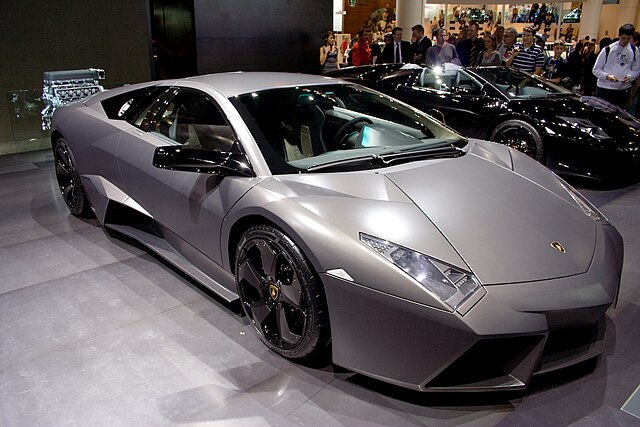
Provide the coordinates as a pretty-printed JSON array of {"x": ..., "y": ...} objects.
[
  {"x": 173, "y": 38},
  {"x": 274, "y": 35},
  {"x": 40, "y": 36}
]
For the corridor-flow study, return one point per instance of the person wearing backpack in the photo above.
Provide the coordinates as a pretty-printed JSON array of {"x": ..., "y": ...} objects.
[{"x": 616, "y": 67}]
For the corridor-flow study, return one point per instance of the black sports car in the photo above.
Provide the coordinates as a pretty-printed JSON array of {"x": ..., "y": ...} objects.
[{"x": 572, "y": 135}]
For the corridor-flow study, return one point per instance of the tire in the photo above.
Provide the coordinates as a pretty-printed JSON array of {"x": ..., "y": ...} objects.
[
  {"x": 69, "y": 181},
  {"x": 520, "y": 135},
  {"x": 281, "y": 294}
]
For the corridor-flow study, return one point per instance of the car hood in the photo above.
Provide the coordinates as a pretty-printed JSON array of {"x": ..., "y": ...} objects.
[
  {"x": 503, "y": 224},
  {"x": 500, "y": 223}
]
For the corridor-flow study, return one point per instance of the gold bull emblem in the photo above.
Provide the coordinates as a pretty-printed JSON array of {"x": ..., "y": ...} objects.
[
  {"x": 274, "y": 291},
  {"x": 558, "y": 247}
]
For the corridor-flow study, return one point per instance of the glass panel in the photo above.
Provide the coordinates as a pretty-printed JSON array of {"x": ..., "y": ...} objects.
[
  {"x": 310, "y": 126},
  {"x": 192, "y": 118}
]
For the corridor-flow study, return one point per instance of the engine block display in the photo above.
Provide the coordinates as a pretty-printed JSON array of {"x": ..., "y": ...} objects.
[{"x": 64, "y": 87}]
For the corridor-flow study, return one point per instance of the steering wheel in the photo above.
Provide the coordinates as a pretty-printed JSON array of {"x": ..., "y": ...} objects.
[{"x": 346, "y": 129}]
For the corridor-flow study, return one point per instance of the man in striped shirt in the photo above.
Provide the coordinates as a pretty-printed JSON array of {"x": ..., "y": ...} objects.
[{"x": 526, "y": 55}]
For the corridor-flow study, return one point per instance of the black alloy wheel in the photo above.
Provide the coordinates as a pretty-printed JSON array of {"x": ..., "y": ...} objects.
[
  {"x": 69, "y": 181},
  {"x": 520, "y": 135},
  {"x": 281, "y": 294}
]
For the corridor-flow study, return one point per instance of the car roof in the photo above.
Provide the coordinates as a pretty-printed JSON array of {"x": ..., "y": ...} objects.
[
  {"x": 228, "y": 84},
  {"x": 241, "y": 82}
]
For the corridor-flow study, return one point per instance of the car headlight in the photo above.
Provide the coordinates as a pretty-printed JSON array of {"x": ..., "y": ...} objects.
[
  {"x": 450, "y": 284},
  {"x": 586, "y": 206},
  {"x": 586, "y": 126}
]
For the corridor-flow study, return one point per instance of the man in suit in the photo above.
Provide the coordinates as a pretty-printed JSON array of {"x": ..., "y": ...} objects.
[
  {"x": 421, "y": 44},
  {"x": 398, "y": 51},
  {"x": 469, "y": 48}
]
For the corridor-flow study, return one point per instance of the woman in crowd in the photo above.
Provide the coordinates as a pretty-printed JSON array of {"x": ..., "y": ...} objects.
[
  {"x": 329, "y": 53},
  {"x": 490, "y": 56}
]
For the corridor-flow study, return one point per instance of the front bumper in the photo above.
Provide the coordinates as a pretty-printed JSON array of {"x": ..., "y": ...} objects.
[
  {"x": 608, "y": 162},
  {"x": 513, "y": 332}
]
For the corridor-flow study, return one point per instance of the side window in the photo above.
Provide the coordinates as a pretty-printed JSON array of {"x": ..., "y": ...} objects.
[
  {"x": 191, "y": 118},
  {"x": 439, "y": 81},
  {"x": 467, "y": 82},
  {"x": 135, "y": 106},
  {"x": 143, "y": 115},
  {"x": 127, "y": 104}
]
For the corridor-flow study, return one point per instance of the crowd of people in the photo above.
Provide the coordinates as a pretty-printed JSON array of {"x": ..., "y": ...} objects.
[{"x": 608, "y": 69}]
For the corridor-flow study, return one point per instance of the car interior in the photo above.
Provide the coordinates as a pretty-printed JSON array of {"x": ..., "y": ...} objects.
[
  {"x": 193, "y": 120},
  {"x": 448, "y": 81},
  {"x": 295, "y": 126},
  {"x": 517, "y": 84}
]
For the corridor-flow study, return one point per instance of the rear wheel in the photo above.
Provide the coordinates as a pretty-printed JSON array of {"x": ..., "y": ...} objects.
[
  {"x": 281, "y": 294},
  {"x": 520, "y": 135},
  {"x": 69, "y": 180}
]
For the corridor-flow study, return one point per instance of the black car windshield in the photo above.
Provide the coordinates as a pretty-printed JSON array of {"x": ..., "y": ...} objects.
[
  {"x": 519, "y": 84},
  {"x": 301, "y": 128}
]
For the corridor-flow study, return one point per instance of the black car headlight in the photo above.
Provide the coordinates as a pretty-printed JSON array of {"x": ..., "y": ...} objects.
[
  {"x": 450, "y": 284},
  {"x": 586, "y": 126}
]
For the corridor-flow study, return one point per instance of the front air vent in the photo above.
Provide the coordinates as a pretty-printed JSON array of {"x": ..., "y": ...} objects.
[{"x": 492, "y": 363}]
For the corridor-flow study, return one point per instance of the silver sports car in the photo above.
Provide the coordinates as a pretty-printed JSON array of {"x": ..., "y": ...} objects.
[{"x": 343, "y": 219}]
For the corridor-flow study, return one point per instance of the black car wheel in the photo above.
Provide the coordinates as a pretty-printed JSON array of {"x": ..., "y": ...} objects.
[
  {"x": 520, "y": 135},
  {"x": 281, "y": 294},
  {"x": 69, "y": 180}
]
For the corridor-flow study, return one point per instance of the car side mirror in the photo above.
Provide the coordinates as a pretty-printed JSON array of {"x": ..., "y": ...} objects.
[{"x": 199, "y": 160}]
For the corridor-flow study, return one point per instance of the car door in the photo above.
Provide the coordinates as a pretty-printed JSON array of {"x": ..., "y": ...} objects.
[
  {"x": 454, "y": 93},
  {"x": 189, "y": 206}
]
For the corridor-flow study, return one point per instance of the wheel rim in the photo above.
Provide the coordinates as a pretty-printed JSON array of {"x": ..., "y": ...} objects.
[
  {"x": 66, "y": 176},
  {"x": 519, "y": 138},
  {"x": 271, "y": 293}
]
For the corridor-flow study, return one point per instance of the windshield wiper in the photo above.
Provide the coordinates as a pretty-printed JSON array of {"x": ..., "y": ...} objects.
[
  {"x": 437, "y": 152},
  {"x": 380, "y": 161},
  {"x": 372, "y": 160}
]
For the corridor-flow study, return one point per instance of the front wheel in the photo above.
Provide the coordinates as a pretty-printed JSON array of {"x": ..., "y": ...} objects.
[
  {"x": 520, "y": 135},
  {"x": 69, "y": 180},
  {"x": 281, "y": 294}
]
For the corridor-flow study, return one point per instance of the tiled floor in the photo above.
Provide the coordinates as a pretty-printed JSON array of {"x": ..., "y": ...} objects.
[{"x": 96, "y": 332}]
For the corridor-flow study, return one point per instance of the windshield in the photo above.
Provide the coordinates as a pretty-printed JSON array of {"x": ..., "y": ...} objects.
[
  {"x": 301, "y": 128},
  {"x": 518, "y": 84}
]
